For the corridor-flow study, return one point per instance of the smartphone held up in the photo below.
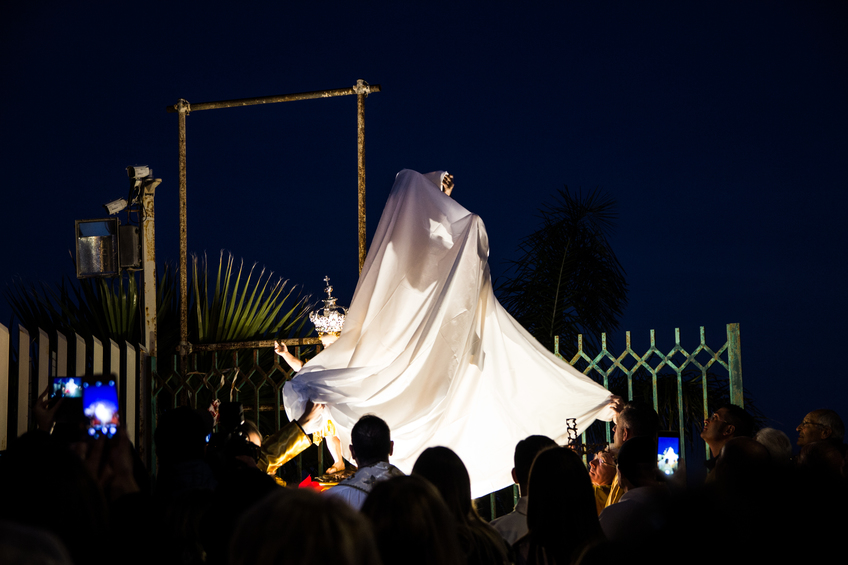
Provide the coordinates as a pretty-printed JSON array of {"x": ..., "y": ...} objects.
[
  {"x": 65, "y": 387},
  {"x": 100, "y": 406},
  {"x": 668, "y": 452}
]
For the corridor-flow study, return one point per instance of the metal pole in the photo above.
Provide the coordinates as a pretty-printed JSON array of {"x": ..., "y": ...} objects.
[
  {"x": 183, "y": 108},
  {"x": 361, "y": 93},
  {"x": 148, "y": 252},
  {"x": 679, "y": 371},
  {"x": 148, "y": 355},
  {"x": 734, "y": 365}
]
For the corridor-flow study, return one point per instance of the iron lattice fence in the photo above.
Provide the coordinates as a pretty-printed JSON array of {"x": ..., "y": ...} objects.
[
  {"x": 248, "y": 372},
  {"x": 702, "y": 367}
]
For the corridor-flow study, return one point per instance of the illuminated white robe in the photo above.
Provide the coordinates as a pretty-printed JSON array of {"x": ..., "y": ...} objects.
[{"x": 428, "y": 348}]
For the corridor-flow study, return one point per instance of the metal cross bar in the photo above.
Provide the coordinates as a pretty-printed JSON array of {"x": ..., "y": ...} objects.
[
  {"x": 365, "y": 89},
  {"x": 296, "y": 341}
]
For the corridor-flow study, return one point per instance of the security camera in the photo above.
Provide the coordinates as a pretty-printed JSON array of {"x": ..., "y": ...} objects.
[
  {"x": 139, "y": 172},
  {"x": 115, "y": 206}
]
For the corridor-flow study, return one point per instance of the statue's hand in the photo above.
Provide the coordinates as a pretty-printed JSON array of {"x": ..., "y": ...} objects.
[{"x": 447, "y": 184}]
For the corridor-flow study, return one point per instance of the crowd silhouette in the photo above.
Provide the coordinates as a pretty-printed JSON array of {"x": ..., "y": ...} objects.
[{"x": 67, "y": 498}]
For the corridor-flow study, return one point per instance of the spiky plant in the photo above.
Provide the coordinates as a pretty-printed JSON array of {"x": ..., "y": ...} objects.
[
  {"x": 99, "y": 307},
  {"x": 241, "y": 306}
]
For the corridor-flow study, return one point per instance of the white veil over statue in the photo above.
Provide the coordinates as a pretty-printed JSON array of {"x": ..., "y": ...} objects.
[{"x": 427, "y": 347}]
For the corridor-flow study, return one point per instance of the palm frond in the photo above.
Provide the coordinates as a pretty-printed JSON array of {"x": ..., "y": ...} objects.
[
  {"x": 243, "y": 306},
  {"x": 567, "y": 279}
]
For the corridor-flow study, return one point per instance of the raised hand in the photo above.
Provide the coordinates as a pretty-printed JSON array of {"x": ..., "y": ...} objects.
[
  {"x": 283, "y": 351},
  {"x": 311, "y": 413},
  {"x": 45, "y": 415}
]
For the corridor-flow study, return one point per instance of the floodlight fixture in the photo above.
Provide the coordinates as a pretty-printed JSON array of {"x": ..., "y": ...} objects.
[{"x": 97, "y": 248}]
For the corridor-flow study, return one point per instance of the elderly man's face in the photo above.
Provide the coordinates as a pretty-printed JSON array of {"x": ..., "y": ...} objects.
[
  {"x": 602, "y": 469},
  {"x": 810, "y": 430}
]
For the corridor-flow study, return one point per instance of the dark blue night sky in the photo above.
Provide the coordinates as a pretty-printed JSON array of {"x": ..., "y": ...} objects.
[{"x": 719, "y": 127}]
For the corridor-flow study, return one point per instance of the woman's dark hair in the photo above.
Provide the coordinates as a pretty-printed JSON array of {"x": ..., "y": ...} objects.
[
  {"x": 411, "y": 523},
  {"x": 562, "y": 516},
  {"x": 446, "y": 471}
]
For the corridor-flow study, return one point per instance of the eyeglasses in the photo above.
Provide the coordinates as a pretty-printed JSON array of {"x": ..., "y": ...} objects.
[
  {"x": 715, "y": 418},
  {"x": 603, "y": 458},
  {"x": 806, "y": 423},
  {"x": 606, "y": 462}
]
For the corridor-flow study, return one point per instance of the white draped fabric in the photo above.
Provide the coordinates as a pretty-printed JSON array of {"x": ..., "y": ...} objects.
[{"x": 427, "y": 347}]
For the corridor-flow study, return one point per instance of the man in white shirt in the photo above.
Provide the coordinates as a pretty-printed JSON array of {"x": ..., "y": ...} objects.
[
  {"x": 371, "y": 448},
  {"x": 512, "y": 526}
]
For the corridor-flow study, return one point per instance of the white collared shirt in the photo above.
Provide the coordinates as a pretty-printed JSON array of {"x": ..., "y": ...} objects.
[{"x": 513, "y": 526}]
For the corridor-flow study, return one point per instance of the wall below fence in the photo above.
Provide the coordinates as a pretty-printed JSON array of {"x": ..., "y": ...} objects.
[{"x": 27, "y": 363}]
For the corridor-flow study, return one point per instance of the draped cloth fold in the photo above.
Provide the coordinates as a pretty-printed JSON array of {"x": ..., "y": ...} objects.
[{"x": 428, "y": 348}]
